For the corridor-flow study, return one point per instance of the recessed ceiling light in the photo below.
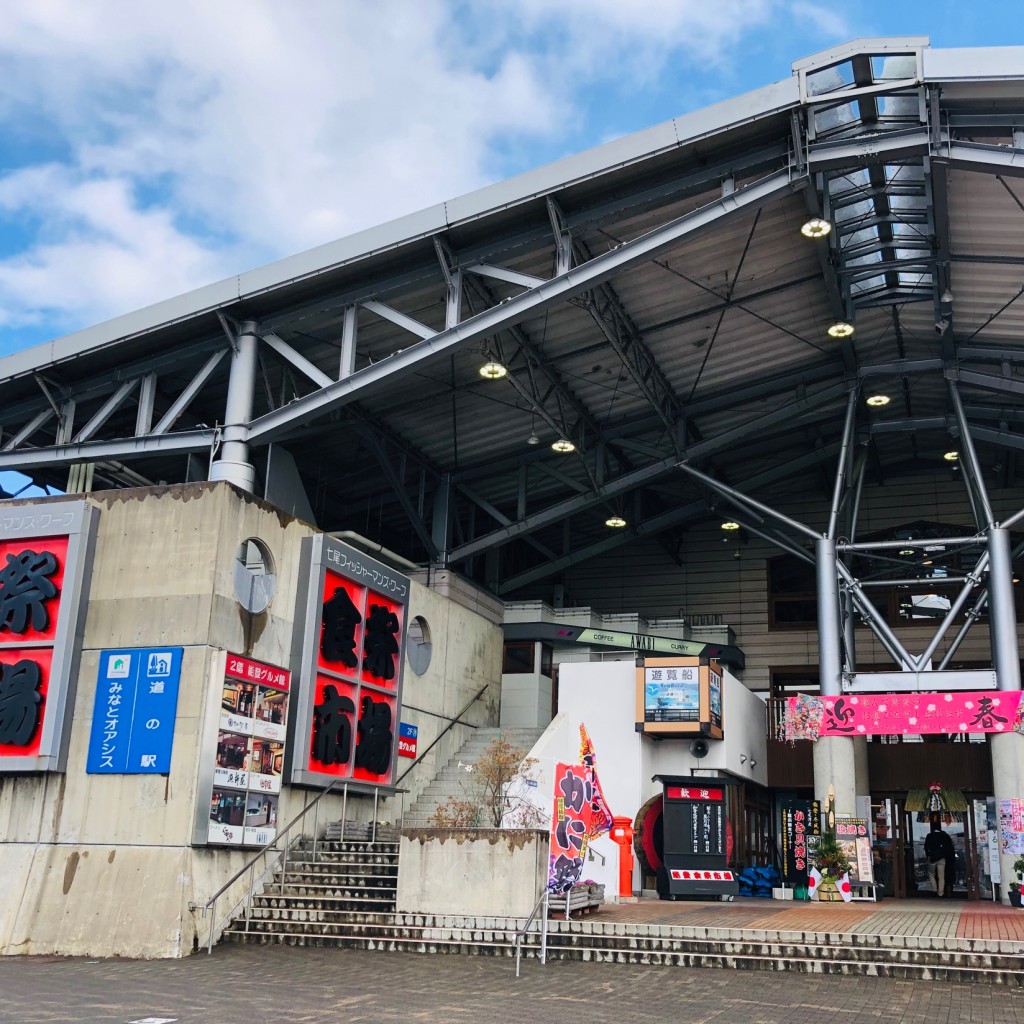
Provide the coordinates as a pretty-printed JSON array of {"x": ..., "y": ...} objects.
[
  {"x": 563, "y": 445},
  {"x": 840, "y": 329},
  {"x": 730, "y": 525},
  {"x": 878, "y": 400},
  {"x": 951, "y": 456},
  {"x": 615, "y": 521},
  {"x": 816, "y": 227},
  {"x": 493, "y": 370}
]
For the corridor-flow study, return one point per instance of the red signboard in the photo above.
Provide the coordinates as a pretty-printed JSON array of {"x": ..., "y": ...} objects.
[
  {"x": 31, "y": 587},
  {"x": 348, "y": 708},
  {"x": 693, "y": 793},
  {"x": 250, "y": 671},
  {"x": 45, "y": 553}
]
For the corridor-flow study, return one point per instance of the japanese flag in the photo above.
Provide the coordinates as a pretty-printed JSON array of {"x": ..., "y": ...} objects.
[
  {"x": 845, "y": 889},
  {"x": 813, "y": 878}
]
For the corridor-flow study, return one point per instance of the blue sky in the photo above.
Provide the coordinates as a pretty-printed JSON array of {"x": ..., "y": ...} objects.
[{"x": 146, "y": 149}]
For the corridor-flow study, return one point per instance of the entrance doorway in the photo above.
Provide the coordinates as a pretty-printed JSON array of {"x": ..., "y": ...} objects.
[{"x": 901, "y": 867}]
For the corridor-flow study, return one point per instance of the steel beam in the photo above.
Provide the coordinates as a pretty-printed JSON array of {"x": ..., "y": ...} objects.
[
  {"x": 299, "y": 361},
  {"x": 398, "y": 318},
  {"x": 194, "y": 386},
  {"x": 520, "y": 307},
  {"x": 103, "y": 451},
  {"x": 398, "y": 486},
  {"x": 503, "y": 274},
  {"x": 635, "y": 478},
  {"x": 663, "y": 521},
  {"x": 105, "y": 411}
]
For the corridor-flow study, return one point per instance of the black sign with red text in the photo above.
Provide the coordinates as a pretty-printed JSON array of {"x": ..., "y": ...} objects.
[{"x": 801, "y": 819}]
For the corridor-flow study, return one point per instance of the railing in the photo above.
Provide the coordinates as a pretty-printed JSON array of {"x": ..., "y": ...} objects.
[
  {"x": 457, "y": 720},
  {"x": 521, "y": 934},
  {"x": 280, "y": 860}
]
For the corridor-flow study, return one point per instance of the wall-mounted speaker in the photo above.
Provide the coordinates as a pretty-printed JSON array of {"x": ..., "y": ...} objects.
[{"x": 699, "y": 748}]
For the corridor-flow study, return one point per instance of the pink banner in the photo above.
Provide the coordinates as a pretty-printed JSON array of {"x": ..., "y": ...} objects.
[{"x": 897, "y": 714}]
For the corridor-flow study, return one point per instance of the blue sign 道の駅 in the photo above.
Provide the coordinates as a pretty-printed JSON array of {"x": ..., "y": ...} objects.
[{"x": 133, "y": 718}]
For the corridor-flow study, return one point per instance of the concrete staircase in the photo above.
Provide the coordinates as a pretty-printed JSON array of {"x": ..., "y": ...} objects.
[
  {"x": 457, "y": 782},
  {"x": 316, "y": 913},
  {"x": 346, "y": 890}
]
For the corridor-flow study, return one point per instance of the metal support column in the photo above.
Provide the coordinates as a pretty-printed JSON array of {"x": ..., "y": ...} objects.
[
  {"x": 834, "y": 756},
  {"x": 233, "y": 464}
]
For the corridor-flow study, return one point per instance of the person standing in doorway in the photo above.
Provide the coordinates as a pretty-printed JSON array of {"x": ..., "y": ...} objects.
[{"x": 938, "y": 848}]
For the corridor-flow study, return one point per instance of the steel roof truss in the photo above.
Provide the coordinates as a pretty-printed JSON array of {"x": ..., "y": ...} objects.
[
  {"x": 519, "y": 307},
  {"x": 109, "y": 407}
]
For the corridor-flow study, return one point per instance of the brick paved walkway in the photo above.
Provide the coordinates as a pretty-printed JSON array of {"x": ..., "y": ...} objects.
[
  {"x": 921, "y": 917},
  {"x": 286, "y": 985}
]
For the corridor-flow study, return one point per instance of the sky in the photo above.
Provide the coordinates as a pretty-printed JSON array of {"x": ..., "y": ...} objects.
[{"x": 150, "y": 148}]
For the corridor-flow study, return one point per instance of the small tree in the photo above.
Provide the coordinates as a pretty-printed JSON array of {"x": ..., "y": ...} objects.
[{"x": 496, "y": 792}]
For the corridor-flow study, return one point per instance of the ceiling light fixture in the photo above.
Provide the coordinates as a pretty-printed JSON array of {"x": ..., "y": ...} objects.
[
  {"x": 878, "y": 400},
  {"x": 906, "y": 551},
  {"x": 730, "y": 525},
  {"x": 563, "y": 445},
  {"x": 493, "y": 370},
  {"x": 615, "y": 521},
  {"x": 951, "y": 456},
  {"x": 841, "y": 329},
  {"x": 816, "y": 227}
]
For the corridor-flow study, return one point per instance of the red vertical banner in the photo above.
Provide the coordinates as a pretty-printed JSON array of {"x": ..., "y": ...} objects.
[{"x": 570, "y": 824}]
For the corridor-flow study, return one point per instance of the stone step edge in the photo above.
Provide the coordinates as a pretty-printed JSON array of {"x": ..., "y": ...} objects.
[
  {"x": 781, "y": 964},
  {"x": 877, "y": 940},
  {"x": 772, "y": 950}
]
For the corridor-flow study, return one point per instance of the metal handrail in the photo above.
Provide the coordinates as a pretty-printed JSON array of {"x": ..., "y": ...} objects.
[
  {"x": 444, "y": 732},
  {"x": 250, "y": 865},
  {"x": 521, "y": 934}
]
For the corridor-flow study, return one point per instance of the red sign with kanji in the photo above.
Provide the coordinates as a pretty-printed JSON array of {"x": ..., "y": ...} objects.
[
  {"x": 31, "y": 586},
  {"x": 358, "y": 662}
]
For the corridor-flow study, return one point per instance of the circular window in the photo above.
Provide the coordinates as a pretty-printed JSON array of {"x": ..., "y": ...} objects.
[
  {"x": 255, "y": 581},
  {"x": 417, "y": 645}
]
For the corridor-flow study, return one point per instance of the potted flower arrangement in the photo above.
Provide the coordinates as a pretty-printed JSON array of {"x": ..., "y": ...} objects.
[
  {"x": 1014, "y": 887},
  {"x": 833, "y": 863}
]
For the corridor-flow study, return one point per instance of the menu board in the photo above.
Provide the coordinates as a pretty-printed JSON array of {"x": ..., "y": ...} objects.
[{"x": 248, "y": 762}]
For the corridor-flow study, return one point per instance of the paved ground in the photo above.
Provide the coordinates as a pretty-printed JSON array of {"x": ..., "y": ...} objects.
[
  {"x": 920, "y": 916},
  {"x": 285, "y": 985}
]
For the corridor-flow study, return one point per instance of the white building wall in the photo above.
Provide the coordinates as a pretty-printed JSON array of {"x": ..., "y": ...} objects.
[{"x": 602, "y": 696}]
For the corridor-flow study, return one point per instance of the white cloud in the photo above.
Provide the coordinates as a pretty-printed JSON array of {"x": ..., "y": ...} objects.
[{"x": 186, "y": 141}]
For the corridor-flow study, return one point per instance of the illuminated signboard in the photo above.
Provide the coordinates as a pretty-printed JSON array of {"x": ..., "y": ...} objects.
[
  {"x": 346, "y": 711},
  {"x": 45, "y": 553},
  {"x": 679, "y": 697},
  {"x": 243, "y": 755}
]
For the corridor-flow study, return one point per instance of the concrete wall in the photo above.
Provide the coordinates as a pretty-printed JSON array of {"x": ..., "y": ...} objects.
[
  {"x": 467, "y": 640},
  {"x": 102, "y": 864},
  {"x": 475, "y": 872}
]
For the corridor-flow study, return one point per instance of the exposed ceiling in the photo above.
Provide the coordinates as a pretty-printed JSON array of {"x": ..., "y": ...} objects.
[{"x": 653, "y": 301}]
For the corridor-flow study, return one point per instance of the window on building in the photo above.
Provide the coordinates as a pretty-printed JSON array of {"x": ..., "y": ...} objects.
[{"x": 518, "y": 657}]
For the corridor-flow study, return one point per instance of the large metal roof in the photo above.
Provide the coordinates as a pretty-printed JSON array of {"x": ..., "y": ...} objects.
[{"x": 653, "y": 301}]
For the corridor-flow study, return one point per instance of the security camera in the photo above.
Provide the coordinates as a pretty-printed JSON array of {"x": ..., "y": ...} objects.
[{"x": 941, "y": 326}]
